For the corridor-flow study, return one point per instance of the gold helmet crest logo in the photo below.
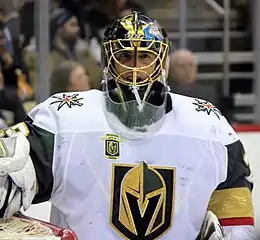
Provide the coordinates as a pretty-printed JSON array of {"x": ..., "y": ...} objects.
[
  {"x": 134, "y": 30},
  {"x": 142, "y": 200},
  {"x": 135, "y": 184}
]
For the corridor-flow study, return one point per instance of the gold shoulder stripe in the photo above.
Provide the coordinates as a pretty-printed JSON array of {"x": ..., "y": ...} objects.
[
  {"x": 232, "y": 203},
  {"x": 3, "y": 150}
]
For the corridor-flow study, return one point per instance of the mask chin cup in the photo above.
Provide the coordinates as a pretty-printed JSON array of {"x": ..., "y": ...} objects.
[{"x": 127, "y": 120}]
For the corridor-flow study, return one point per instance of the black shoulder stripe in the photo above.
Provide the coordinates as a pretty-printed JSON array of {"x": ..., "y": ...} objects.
[
  {"x": 41, "y": 152},
  {"x": 238, "y": 169}
]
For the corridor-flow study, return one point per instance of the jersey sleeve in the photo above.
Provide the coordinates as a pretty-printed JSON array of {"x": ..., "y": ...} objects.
[
  {"x": 39, "y": 128},
  {"x": 232, "y": 199},
  {"x": 42, "y": 128}
]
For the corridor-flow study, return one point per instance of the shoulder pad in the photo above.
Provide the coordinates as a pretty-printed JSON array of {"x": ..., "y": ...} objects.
[
  {"x": 226, "y": 133},
  {"x": 83, "y": 108},
  {"x": 42, "y": 117},
  {"x": 204, "y": 119}
]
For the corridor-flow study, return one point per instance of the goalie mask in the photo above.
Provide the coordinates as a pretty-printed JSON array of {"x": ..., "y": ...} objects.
[{"x": 135, "y": 58}]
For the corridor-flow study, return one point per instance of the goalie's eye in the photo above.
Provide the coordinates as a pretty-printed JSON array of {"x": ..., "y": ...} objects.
[
  {"x": 144, "y": 56},
  {"x": 124, "y": 57}
]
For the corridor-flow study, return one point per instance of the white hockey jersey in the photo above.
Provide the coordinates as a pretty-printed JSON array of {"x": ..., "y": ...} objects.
[{"x": 110, "y": 188}]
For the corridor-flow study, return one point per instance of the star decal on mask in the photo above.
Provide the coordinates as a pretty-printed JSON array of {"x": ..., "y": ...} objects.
[
  {"x": 205, "y": 106},
  {"x": 69, "y": 100}
]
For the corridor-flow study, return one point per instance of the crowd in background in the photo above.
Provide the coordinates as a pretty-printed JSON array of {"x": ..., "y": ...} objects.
[{"x": 74, "y": 24}]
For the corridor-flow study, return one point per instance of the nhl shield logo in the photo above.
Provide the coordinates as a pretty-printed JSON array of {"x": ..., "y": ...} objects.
[
  {"x": 112, "y": 146},
  {"x": 142, "y": 200}
]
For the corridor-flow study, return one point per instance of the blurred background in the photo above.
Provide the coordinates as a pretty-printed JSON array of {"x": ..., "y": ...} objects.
[{"x": 50, "y": 46}]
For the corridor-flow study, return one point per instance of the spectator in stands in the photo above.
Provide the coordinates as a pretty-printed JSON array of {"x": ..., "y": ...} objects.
[
  {"x": 183, "y": 69},
  {"x": 26, "y": 13},
  {"x": 183, "y": 76},
  {"x": 11, "y": 107},
  {"x": 183, "y": 80},
  {"x": 15, "y": 73},
  {"x": 3, "y": 123},
  {"x": 70, "y": 76},
  {"x": 64, "y": 31},
  {"x": 77, "y": 8},
  {"x": 7, "y": 33}
]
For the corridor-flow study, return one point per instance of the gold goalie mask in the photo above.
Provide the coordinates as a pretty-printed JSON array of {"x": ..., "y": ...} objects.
[{"x": 135, "y": 53}]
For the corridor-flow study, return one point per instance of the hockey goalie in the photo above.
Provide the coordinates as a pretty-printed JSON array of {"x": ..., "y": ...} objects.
[{"x": 132, "y": 161}]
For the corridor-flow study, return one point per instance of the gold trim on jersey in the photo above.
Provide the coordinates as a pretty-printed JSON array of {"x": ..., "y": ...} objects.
[
  {"x": 3, "y": 150},
  {"x": 17, "y": 129},
  {"x": 142, "y": 200},
  {"x": 232, "y": 203}
]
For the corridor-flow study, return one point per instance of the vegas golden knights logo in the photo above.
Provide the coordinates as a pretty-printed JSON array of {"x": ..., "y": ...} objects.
[
  {"x": 142, "y": 200},
  {"x": 112, "y": 146}
]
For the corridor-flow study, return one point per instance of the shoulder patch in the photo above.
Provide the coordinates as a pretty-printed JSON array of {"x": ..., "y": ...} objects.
[
  {"x": 207, "y": 107},
  {"x": 68, "y": 100}
]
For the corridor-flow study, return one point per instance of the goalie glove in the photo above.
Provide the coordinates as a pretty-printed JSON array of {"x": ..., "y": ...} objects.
[
  {"x": 211, "y": 228},
  {"x": 17, "y": 175}
]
